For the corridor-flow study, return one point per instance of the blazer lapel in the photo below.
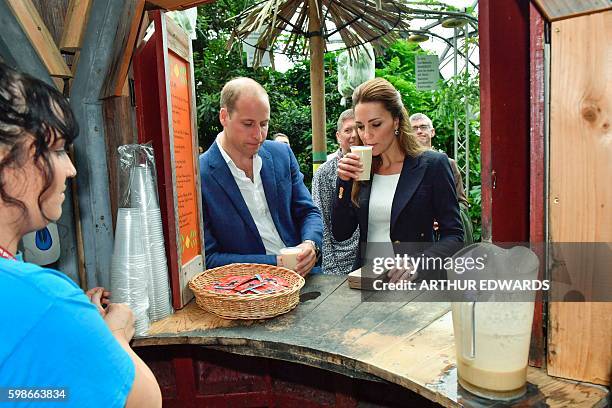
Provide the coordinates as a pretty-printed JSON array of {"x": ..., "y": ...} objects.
[
  {"x": 223, "y": 177},
  {"x": 365, "y": 189},
  {"x": 411, "y": 176},
  {"x": 268, "y": 179}
]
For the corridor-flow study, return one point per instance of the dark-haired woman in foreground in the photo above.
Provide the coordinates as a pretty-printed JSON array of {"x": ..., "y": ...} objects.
[
  {"x": 53, "y": 337},
  {"x": 409, "y": 187}
]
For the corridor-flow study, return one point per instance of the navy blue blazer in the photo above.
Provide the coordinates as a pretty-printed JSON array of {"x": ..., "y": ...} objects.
[
  {"x": 425, "y": 191},
  {"x": 230, "y": 234}
]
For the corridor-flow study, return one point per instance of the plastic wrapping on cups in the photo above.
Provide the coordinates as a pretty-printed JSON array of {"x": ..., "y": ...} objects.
[{"x": 150, "y": 298}]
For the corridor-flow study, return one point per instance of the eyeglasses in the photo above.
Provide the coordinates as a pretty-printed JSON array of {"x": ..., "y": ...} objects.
[{"x": 423, "y": 128}]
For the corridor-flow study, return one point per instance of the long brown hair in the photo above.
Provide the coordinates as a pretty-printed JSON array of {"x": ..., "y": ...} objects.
[{"x": 381, "y": 90}]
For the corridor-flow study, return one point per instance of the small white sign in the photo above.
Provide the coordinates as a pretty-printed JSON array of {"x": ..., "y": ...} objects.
[{"x": 427, "y": 72}]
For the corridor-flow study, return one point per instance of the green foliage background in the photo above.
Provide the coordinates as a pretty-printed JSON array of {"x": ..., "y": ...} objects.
[{"x": 290, "y": 94}]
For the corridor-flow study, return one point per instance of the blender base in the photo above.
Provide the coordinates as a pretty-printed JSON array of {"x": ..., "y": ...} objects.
[{"x": 490, "y": 394}]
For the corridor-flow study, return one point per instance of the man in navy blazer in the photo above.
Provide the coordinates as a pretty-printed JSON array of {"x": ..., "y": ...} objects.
[{"x": 253, "y": 194}]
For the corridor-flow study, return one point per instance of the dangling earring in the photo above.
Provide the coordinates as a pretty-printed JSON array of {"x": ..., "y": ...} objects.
[{"x": 396, "y": 132}]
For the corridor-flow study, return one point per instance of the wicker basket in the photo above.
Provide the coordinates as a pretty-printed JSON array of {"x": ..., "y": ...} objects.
[{"x": 249, "y": 306}]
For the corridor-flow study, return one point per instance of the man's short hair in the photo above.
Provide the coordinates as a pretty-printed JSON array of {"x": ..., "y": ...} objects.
[
  {"x": 347, "y": 114},
  {"x": 234, "y": 88},
  {"x": 422, "y": 116}
]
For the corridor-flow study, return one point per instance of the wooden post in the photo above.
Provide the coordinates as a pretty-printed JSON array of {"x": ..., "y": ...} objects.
[
  {"x": 317, "y": 84},
  {"x": 24, "y": 57},
  {"x": 124, "y": 45},
  {"x": 80, "y": 251},
  {"x": 90, "y": 148},
  {"x": 537, "y": 171},
  {"x": 28, "y": 17},
  {"x": 74, "y": 26},
  {"x": 504, "y": 138}
]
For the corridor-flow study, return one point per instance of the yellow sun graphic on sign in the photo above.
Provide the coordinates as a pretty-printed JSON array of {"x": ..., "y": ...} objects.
[{"x": 177, "y": 71}]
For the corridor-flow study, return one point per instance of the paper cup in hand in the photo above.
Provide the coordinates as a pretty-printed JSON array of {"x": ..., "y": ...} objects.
[
  {"x": 365, "y": 156},
  {"x": 289, "y": 257}
]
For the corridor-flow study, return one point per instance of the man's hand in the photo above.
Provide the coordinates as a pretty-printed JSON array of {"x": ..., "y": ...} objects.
[
  {"x": 306, "y": 259},
  {"x": 98, "y": 296}
]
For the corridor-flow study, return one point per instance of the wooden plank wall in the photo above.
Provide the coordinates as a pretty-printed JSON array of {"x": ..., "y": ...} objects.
[
  {"x": 120, "y": 129},
  {"x": 579, "y": 341},
  {"x": 48, "y": 23}
]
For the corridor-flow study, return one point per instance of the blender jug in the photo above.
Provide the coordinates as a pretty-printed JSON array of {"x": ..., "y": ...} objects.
[{"x": 493, "y": 330}]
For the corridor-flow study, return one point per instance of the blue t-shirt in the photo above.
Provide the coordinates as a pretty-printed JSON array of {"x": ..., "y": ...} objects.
[{"x": 52, "y": 336}]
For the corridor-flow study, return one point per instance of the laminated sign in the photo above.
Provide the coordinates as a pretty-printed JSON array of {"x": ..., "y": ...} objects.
[
  {"x": 165, "y": 96},
  {"x": 427, "y": 72}
]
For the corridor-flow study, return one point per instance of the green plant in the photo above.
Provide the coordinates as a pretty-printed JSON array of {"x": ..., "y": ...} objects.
[
  {"x": 449, "y": 102},
  {"x": 443, "y": 106},
  {"x": 290, "y": 94}
]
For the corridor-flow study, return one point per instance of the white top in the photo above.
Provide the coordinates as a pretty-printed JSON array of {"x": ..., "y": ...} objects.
[
  {"x": 381, "y": 200},
  {"x": 255, "y": 198}
]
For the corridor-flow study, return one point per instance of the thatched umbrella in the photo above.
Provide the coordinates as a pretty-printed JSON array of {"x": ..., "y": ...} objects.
[{"x": 286, "y": 24}]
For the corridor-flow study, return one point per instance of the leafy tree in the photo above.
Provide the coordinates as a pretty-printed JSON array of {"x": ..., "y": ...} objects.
[
  {"x": 213, "y": 64},
  {"x": 442, "y": 106},
  {"x": 449, "y": 102},
  {"x": 290, "y": 94}
]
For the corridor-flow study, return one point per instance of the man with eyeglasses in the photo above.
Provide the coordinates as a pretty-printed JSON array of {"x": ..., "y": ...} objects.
[{"x": 424, "y": 131}]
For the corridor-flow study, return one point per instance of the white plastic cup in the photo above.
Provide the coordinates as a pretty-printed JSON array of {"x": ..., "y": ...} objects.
[
  {"x": 128, "y": 240},
  {"x": 142, "y": 187},
  {"x": 365, "y": 156},
  {"x": 289, "y": 257}
]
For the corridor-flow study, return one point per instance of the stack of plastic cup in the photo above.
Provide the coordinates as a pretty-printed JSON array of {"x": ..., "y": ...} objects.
[
  {"x": 129, "y": 268},
  {"x": 144, "y": 198},
  {"x": 143, "y": 193}
]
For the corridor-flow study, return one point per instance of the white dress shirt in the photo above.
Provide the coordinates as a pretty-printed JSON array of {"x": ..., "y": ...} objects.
[{"x": 255, "y": 198}]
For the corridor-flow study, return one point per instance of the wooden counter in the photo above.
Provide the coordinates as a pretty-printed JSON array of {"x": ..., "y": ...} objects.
[{"x": 409, "y": 343}]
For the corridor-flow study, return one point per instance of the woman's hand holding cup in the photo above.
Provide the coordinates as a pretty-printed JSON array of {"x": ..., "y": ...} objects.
[{"x": 349, "y": 167}]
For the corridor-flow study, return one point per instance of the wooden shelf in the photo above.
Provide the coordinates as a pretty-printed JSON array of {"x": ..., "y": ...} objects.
[{"x": 408, "y": 342}]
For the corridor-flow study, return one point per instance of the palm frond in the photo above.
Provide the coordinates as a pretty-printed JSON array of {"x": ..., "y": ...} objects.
[{"x": 357, "y": 22}]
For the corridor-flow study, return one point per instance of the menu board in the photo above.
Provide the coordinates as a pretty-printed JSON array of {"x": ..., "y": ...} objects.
[
  {"x": 165, "y": 107},
  {"x": 188, "y": 215}
]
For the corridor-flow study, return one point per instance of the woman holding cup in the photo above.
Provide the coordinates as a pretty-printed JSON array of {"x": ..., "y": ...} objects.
[{"x": 397, "y": 198}]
